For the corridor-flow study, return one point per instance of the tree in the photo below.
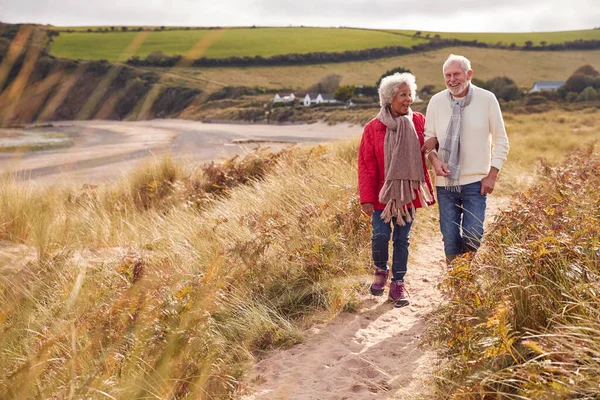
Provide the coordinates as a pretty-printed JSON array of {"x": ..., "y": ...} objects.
[
  {"x": 328, "y": 84},
  {"x": 577, "y": 82},
  {"x": 344, "y": 93},
  {"x": 586, "y": 70},
  {"x": 392, "y": 72},
  {"x": 528, "y": 44},
  {"x": 588, "y": 94},
  {"x": 510, "y": 92}
]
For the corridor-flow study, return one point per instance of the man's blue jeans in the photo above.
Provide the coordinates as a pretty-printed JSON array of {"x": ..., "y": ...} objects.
[
  {"x": 461, "y": 218},
  {"x": 380, "y": 245}
]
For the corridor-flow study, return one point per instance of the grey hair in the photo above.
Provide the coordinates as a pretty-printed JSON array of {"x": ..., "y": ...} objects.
[
  {"x": 453, "y": 58},
  {"x": 390, "y": 84}
]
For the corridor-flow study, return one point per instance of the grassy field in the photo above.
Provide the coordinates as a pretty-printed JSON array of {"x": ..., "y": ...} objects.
[
  {"x": 523, "y": 67},
  {"x": 518, "y": 38},
  {"x": 271, "y": 41},
  {"x": 231, "y": 42}
]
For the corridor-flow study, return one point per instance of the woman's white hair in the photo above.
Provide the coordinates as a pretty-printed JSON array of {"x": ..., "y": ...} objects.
[
  {"x": 453, "y": 58},
  {"x": 390, "y": 84}
]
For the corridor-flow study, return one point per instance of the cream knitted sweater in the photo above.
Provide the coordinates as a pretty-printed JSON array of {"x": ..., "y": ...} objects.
[{"x": 483, "y": 142}]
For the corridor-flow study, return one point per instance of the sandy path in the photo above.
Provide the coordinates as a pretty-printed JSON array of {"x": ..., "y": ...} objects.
[{"x": 375, "y": 353}]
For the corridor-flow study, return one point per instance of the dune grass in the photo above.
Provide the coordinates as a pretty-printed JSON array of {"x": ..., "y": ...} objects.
[
  {"x": 233, "y": 42},
  {"x": 161, "y": 287},
  {"x": 172, "y": 282},
  {"x": 522, "y": 321}
]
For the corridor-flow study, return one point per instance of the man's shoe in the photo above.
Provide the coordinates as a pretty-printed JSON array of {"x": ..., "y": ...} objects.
[
  {"x": 397, "y": 294},
  {"x": 379, "y": 281}
]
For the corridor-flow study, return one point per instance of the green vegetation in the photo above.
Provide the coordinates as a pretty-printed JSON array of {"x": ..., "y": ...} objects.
[
  {"x": 240, "y": 42},
  {"x": 230, "y": 42},
  {"x": 523, "y": 317},
  {"x": 520, "y": 39}
]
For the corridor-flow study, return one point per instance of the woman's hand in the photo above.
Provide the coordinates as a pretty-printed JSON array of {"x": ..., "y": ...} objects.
[
  {"x": 368, "y": 208},
  {"x": 430, "y": 144}
]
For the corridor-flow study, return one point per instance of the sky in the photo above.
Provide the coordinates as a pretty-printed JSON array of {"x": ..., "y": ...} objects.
[{"x": 426, "y": 15}]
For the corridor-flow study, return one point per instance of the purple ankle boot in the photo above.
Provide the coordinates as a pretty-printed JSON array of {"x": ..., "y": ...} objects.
[
  {"x": 379, "y": 281},
  {"x": 397, "y": 294}
]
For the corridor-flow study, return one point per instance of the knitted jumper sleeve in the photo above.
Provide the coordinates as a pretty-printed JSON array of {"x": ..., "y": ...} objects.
[{"x": 500, "y": 145}]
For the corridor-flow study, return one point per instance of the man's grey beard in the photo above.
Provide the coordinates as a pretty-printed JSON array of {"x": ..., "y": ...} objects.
[{"x": 458, "y": 90}]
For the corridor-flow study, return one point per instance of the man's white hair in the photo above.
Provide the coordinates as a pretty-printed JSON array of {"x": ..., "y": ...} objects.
[
  {"x": 390, "y": 84},
  {"x": 463, "y": 61}
]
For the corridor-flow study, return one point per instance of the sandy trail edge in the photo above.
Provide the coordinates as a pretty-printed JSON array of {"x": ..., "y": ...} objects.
[{"x": 375, "y": 353}]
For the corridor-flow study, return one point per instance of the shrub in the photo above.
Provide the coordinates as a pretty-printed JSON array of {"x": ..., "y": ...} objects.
[
  {"x": 535, "y": 99},
  {"x": 571, "y": 96},
  {"x": 344, "y": 93},
  {"x": 588, "y": 94},
  {"x": 523, "y": 317},
  {"x": 391, "y": 72}
]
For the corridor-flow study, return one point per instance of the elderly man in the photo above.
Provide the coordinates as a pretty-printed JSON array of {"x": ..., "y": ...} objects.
[{"x": 467, "y": 123}]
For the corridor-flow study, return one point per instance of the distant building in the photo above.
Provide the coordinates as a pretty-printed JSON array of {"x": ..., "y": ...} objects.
[
  {"x": 310, "y": 99},
  {"x": 284, "y": 99},
  {"x": 546, "y": 86}
]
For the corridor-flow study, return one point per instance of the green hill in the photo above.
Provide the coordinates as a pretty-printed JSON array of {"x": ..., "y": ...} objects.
[
  {"x": 118, "y": 45},
  {"x": 227, "y": 42},
  {"x": 518, "y": 39}
]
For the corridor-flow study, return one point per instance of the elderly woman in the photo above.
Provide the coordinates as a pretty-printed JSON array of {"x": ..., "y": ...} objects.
[{"x": 393, "y": 180}]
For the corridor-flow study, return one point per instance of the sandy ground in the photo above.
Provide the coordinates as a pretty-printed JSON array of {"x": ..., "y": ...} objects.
[
  {"x": 105, "y": 150},
  {"x": 376, "y": 353}
]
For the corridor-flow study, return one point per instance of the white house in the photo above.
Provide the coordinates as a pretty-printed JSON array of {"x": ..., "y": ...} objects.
[
  {"x": 318, "y": 98},
  {"x": 544, "y": 86},
  {"x": 284, "y": 99}
]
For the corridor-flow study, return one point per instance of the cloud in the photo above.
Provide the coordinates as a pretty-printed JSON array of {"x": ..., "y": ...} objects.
[{"x": 433, "y": 15}]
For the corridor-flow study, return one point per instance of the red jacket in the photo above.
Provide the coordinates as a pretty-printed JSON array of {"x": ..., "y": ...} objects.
[{"x": 371, "y": 164}]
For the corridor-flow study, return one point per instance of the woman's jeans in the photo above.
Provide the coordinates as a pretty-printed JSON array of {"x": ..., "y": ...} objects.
[
  {"x": 380, "y": 244},
  {"x": 461, "y": 218}
]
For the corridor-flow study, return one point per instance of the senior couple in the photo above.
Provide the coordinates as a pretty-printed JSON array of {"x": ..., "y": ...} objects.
[{"x": 464, "y": 138}]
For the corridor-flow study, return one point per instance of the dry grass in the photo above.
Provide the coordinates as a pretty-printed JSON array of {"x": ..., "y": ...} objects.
[
  {"x": 161, "y": 287},
  {"x": 170, "y": 283},
  {"x": 523, "y": 321}
]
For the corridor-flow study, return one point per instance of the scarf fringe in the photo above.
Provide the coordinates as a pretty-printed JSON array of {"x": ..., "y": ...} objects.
[{"x": 404, "y": 212}]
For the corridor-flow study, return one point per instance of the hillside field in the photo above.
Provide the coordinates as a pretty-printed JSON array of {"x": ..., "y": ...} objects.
[
  {"x": 524, "y": 67},
  {"x": 229, "y": 42},
  {"x": 519, "y": 38},
  {"x": 272, "y": 41}
]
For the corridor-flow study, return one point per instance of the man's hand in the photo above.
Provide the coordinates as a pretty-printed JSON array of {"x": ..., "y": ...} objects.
[
  {"x": 440, "y": 167},
  {"x": 429, "y": 145},
  {"x": 368, "y": 208},
  {"x": 488, "y": 183}
]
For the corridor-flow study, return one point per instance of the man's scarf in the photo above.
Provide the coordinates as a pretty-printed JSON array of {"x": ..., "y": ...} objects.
[
  {"x": 404, "y": 175},
  {"x": 450, "y": 148}
]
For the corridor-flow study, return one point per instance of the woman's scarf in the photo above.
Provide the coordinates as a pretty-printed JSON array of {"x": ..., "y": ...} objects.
[
  {"x": 404, "y": 175},
  {"x": 450, "y": 148}
]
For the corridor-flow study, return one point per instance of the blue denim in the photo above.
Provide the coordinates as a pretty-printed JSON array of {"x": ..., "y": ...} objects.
[
  {"x": 461, "y": 218},
  {"x": 380, "y": 245}
]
